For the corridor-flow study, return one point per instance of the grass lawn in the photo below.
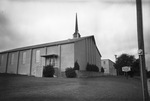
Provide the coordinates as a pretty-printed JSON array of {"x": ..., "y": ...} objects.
[{"x": 24, "y": 88}]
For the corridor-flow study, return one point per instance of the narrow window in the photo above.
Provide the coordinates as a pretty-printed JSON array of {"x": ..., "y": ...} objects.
[
  {"x": 56, "y": 62},
  {"x": 104, "y": 62},
  {"x": 12, "y": 59},
  {"x": 1, "y": 61},
  {"x": 37, "y": 56},
  {"x": 53, "y": 62},
  {"x": 24, "y": 58}
]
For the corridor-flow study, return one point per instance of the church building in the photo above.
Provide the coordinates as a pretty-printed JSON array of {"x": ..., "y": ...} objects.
[{"x": 62, "y": 54}]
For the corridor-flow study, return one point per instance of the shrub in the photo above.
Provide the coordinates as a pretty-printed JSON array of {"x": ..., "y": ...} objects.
[
  {"x": 48, "y": 71},
  {"x": 102, "y": 69},
  {"x": 91, "y": 67},
  {"x": 70, "y": 73},
  {"x": 76, "y": 66},
  {"x": 88, "y": 67}
]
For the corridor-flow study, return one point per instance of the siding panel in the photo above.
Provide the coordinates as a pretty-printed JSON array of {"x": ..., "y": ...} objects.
[
  {"x": 24, "y": 68},
  {"x": 80, "y": 54},
  {"x": 98, "y": 59},
  {"x": 86, "y": 52},
  {"x": 67, "y": 56},
  {"x": 12, "y": 67},
  {"x": 37, "y": 67},
  {"x": 52, "y": 50},
  {"x": 3, "y": 63}
]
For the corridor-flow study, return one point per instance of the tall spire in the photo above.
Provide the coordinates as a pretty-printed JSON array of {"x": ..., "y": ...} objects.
[
  {"x": 76, "y": 34},
  {"x": 76, "y": 27}
]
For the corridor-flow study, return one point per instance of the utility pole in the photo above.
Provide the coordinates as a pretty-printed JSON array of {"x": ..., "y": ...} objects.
[{"x": 141, "y": 50}]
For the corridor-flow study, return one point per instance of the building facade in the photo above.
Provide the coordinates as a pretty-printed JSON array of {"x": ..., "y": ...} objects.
[
  {"x": 30, "y": 60},
  {"x": 108, "y": 66}
]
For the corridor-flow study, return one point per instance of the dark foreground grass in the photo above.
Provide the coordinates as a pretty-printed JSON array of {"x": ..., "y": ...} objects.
[{"x": 24, "y": 88}]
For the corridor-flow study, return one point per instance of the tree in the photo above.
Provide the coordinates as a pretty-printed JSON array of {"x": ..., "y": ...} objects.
[
  {"x": 124, "y": 60},
  {"x": 136, "y": 67},
  {"x": 76, "y": 66}
]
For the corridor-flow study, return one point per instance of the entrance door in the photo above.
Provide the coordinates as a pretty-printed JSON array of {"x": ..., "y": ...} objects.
[{"x": 53, "y": 61}]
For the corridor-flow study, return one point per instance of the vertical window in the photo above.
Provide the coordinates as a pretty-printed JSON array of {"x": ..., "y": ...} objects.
[
  {"x": 1, "y": 60},
  {"x": 53, "y": 62},
  {"x": 104, "y": 62},
  {"x": 37, "y": 56},
  {"x": 12, "y": 59},
  {"x": 24, "y": 58}
]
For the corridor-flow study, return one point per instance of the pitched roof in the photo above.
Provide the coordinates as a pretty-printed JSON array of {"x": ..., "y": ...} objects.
[{"x": 49, "y": 44}]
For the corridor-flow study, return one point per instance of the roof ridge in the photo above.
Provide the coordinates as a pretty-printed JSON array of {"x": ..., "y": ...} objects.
[{"x": 47, "y": 44}]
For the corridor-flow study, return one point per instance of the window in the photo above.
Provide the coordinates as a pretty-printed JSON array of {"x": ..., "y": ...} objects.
[
  {"x": 24, "y": 58},
  {"x": 37, "y": 56},
  {"x": 12, "y": 59},
  {"x": 53, "y": 62},
  {"x": 104, "y": 62},
  {"x": 1, "y": 60}
]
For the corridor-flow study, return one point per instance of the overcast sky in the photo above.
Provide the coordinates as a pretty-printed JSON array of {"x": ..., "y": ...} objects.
[{"x": 112, "y": 22}]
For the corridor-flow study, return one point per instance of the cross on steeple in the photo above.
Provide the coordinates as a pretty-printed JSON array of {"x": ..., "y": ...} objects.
[{"x": 76, "y": 34}]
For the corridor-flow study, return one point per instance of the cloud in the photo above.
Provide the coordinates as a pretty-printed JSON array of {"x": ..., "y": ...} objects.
[
  {"x": 117, "y": 32},
  {"x": 124, "y": 2},
  {"x": 117, "y": 29},
  {"x": 113, "y": 22},
  {"x": 7, "y": 36}
]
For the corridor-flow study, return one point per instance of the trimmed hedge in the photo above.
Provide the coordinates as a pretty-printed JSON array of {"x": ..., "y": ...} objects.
[
  {"x": 70, "y": 73},
  {"x": 48, "y": 71},
  {"x": 91, "y": 67}
]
